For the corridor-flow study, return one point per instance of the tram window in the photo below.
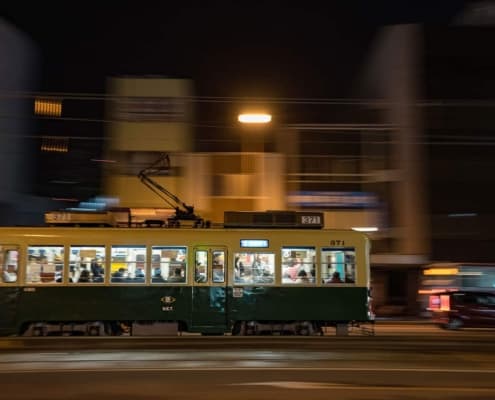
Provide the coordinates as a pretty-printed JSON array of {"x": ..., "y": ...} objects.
[
  {"x": 128, "y": 264},
  {"x": 218, "y": 267},
  {"x": 8, "y": 264},
  {"x": 338, "y": 265},
  {"x": 87, "y": 264},
  {"x": 253, "y": 268},
  {"x": 168, "y": 264},
  {"x": 201, "y": 267},
  {"x": 298, "y": 265},
  {"x": 45, "y": 264}
]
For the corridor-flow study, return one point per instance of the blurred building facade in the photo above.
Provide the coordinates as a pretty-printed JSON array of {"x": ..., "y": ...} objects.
[
  {"x": 339, "y": 168},
  {"x": 393, "y": 76},
  {"x": 150, "y": 115},
  {"x": 18, "y": 75},
  {"x": 459, "y": 123},
  {"x": 155, "y": 115}
]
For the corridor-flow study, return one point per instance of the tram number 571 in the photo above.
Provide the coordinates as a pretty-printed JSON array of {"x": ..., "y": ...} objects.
[{"x": 310, "y": 220}]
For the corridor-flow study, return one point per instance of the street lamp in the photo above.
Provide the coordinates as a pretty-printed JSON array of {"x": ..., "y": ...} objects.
[
  {"x": 254, "y": 118},
  {"x": 251, "y": 142}
]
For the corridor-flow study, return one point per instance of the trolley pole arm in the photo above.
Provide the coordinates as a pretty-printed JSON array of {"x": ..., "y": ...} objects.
[
  {"x": 163, "y": 164},
  {"x": 154, "y": 187}
]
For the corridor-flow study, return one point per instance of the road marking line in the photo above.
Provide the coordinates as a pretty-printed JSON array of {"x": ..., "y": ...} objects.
[
  {"x": 349, "y": 386},
  {"x": 12, "y": 369}
]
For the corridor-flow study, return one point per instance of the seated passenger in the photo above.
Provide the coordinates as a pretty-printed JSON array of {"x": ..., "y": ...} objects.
[
  {"x": 177, "y": 276},
  {"x": 335, "y": 278},
  {"x": 302, "y": 277},
  {"x": 84, "y": 277},
  {"x": 120, "y": 275},
  {"x": 138, "y": 276},
  {"x": 157, "y": 276}
]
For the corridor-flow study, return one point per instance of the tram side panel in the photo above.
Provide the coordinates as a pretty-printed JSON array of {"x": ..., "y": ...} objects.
[
  {"x": 108, "y": 304},
  {"x": 325, "y": 304}
]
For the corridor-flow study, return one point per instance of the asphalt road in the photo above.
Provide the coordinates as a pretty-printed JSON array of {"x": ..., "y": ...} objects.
[{"x": 419, "y": 362}]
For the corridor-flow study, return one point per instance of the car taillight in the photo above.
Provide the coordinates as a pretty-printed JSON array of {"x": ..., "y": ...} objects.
[
  {"x": 444, "y": 302},
  {"x": 439, "y": 302},
  {"x": 434, "y": 302}
]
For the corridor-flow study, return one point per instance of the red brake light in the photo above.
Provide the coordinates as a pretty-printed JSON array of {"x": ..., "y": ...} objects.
[
  {"x": 445, "y": 302},
  {"x": 439, "y": 302}
]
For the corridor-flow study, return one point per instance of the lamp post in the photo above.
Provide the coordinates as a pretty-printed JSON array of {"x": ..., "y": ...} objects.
[{"x": 253, "y": 140}]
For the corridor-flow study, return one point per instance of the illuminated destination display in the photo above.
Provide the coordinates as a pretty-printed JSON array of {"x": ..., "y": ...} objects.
[{"x": 254, "y": 243}]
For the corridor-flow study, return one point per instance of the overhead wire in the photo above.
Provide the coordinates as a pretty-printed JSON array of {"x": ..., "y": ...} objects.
[
  {"x": 248, "y": 99},
  {"x": 368, "y": 129}
]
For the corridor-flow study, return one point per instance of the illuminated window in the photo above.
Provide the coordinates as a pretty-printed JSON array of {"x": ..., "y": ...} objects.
[
  {"x": 128, "y": 264},
  {"x": 168, "y": 264},
  {"x": 87, "y": 264},
  {"x": 55, "y": 144},
  {"x": 201, "y": 267},
  {"x": 254, "y": 267},
  {"x": 218, "y": 266},
  {"x": 338, "y": 265},
  {"x": 8, "y": 264},
  {"x": 48, "y": 107},
  {"x": 45, "y": 264},
  {"x": 299, "y": 265}
]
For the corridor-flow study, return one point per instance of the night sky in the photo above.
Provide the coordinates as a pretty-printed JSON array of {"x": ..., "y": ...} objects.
[{"x": 227, "y": 48}]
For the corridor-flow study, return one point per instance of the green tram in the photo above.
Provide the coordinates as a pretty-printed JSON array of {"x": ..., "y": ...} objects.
[{"x": 165, "y": 281}]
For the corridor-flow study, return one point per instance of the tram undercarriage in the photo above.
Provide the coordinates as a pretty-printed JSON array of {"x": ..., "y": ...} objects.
[
  {"x": 253, "y": 328},
  {"x": 174, "y": 328}
]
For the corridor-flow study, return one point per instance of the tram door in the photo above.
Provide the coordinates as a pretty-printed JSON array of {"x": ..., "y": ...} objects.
[{"x": 209, "y": 289}]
